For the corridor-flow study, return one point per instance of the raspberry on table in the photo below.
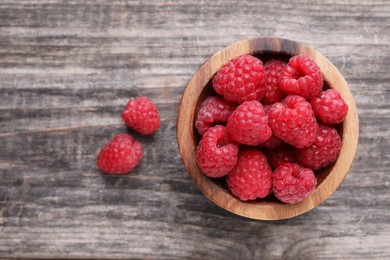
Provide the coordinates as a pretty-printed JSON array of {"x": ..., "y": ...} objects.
[
  {"x": 213, "y": 110},
  {"x": 324, "y": 150},
  {"x": 216, "y": 154},
  {"x": 251, "y": 178},
  {"x": 292, "y": 183},
  {"x": 273, "y": 69},
  {"x": 120, "y": 155},
  {"x": 329, "y": 107},
  {"x": 279, "y": 155},
  {"x": 241, "y": 79},
  {"x": 301, "y": 76},
  {"x": 293, "y": 121},
  {"x": 141, "y": 115},
  {"x": 248, "y": 124}
]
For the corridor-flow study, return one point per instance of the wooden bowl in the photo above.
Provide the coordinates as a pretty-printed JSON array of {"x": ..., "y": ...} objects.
[{"x": 200, "y": 87}]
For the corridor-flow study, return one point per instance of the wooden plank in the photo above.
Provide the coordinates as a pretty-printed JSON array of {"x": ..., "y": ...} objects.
[{"x": 66, "y": 71}]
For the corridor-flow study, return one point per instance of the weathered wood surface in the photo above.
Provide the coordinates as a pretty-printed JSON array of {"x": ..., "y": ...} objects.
[{"x": 66, "y": 71}]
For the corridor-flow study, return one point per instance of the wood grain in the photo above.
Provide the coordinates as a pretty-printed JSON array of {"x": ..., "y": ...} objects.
[{"x": 66, "y": 71}]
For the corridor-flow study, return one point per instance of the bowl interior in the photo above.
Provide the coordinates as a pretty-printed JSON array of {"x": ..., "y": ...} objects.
[{"x": 200, "y": 86}]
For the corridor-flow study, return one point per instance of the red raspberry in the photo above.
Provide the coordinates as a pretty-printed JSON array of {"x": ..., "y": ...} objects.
[
  {"x": 251, "y": 178},
  {"x": 212, "y": 110},
  {"x": 301, "y": 77},
  {"x": 324, "y": 150},
  {"x": 273, "y": 141},
  {"x": 241, "y": 79},
  {"x": 266, "y": 108},
  {"x": 329, "y": 107},
  {"x": 273, "y": 69},
  {"x": 279, "y": 155},
  {"x": 293, "y": 121},
  {"x": 249, "y": 124},
  {"x": 216, "y": 154},
  {"x": 141, "y": 115},
  {"x": 120, "y": 155},
  {"x": 293, "y": 183}
]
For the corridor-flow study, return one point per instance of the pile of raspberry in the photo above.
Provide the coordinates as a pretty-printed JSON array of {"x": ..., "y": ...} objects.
[{"x": 269, "y": 127}]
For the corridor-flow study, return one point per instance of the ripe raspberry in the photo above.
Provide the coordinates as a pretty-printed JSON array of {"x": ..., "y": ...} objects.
[
  {"x": 212, "y": 110},
  {"x": 216, "y": 154},
  {"x": 293, "y": 121},
  {"x": 240, "y": 79},
  {"x": 141, "y": 115},
  {"x": 324, "y": 150},
  {"x": 251, "y": 178},
  {"x": 293, "y": 183},
  {"x": 279, "y": 155},
  {"x": 301, "y": 77},
  {"x": 266, "y": 108},
  {"x": 329, "y": 107},
  {"x": 273, "y": 141},
  {"x": 120, "y": 155},
  {"x": 249, "y": 124},
  {"x": 273, "y": 69}
]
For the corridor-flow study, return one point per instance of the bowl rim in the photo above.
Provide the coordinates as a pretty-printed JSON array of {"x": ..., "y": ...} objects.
[{"x": 263, "y": 210}]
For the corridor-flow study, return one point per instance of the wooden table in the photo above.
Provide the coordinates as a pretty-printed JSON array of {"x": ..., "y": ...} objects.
[{"x": 67, "y": 69}]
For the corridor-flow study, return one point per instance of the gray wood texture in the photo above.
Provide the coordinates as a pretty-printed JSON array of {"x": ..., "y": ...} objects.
[{"x": 67, "y": 69}]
